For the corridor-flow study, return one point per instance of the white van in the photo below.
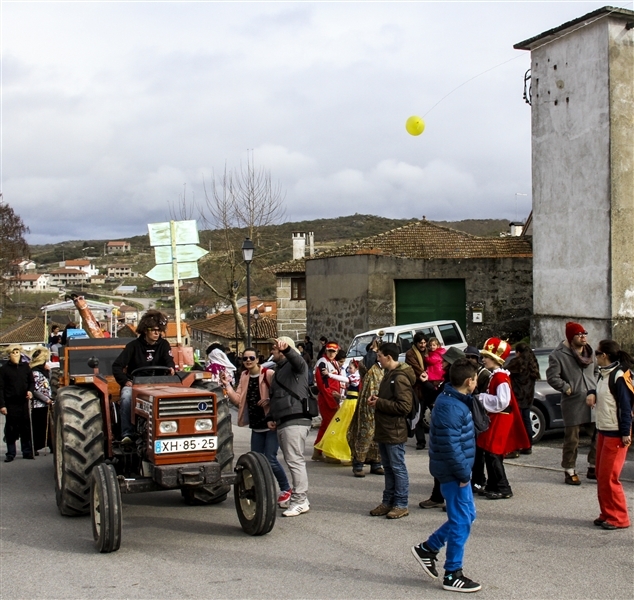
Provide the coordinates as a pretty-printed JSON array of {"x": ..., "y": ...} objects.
[{"x": 447, "y": 332}]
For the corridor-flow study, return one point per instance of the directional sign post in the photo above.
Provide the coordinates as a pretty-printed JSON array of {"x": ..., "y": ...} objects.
[{"x": 176, "y": 255}]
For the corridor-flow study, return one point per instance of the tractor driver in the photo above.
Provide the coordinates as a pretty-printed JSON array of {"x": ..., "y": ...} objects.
[{"x": 150, "y": 349}]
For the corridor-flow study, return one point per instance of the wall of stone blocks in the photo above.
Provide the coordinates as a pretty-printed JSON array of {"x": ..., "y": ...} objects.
[{"x": 291, "y": 314}]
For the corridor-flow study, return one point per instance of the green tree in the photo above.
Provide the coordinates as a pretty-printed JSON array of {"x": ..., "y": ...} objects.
[{"x": 13, "y": 246}]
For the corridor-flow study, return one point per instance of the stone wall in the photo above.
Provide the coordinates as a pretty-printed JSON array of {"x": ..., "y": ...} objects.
[
  {"x": 349, "y": 295},
  {"x": 291, "y": 314}
]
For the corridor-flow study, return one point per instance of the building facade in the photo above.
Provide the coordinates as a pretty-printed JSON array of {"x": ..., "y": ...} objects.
[{"x": 582, "y": 101}]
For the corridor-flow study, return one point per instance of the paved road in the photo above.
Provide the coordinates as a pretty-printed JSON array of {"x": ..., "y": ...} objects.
[{"x": 541, "y": 544}]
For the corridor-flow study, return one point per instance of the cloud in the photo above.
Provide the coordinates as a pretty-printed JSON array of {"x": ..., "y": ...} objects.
[{"x": 110, "y": 108}]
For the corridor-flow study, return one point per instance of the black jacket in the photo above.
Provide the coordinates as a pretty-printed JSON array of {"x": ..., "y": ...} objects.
[
  {"x": 138, "y": 353},
  {"x": 15, "y": 382},
  {"x": 293, "y": 373}
]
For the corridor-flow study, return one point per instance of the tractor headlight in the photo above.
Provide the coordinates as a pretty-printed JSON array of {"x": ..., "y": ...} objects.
[
  {"x": 203, "y": 425},
  {"x": 168, "y": 427}
]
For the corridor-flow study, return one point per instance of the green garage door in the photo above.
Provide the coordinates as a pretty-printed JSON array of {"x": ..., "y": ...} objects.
[{"x": 420, "y": 300}]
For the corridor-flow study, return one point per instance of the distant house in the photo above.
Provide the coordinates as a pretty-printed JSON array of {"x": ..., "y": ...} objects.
[
  {"x": 82, "y": 264},
  {"x": 170, "y": 333},
  {"x": 67, "y": 276},
  {"x": 34, "y": 282},
  {"x": 26, "y": 265},
  {"x": 127, "y": 314},
  {"x": 98, "y": 279},
  {"x": 119, "y": 271},
  {"x": 118, "y": 247},
  {"x": 122, "y": 290}
]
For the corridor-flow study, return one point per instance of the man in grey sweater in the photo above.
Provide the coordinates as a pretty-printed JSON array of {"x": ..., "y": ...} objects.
[
  {"x": 572, "y": 370},
  {"x": 286, "y": 414}
]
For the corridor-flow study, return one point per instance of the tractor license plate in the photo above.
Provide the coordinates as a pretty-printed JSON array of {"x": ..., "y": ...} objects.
[{"x": 186, "y": 444}]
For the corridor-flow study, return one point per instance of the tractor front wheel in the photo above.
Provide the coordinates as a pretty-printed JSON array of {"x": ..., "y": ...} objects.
[
  {"x": 105, "y": 508},
  {"x": 255, "y": 494}
]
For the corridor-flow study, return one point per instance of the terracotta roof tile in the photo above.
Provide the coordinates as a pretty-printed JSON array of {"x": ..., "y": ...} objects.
[
  {"x": 24, "y": 332},
  {"x": 422, "y": 239},
  {"x": 223, "y": 325}
]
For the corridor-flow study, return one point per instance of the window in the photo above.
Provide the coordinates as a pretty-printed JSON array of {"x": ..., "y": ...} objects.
[
  {"x": 450, "y": 334},
  {"x": 298, "y": 288},
  {"x": 405, "y": 340}
]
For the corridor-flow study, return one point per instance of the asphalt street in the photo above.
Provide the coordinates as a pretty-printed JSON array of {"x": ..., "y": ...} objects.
[{"x": 540, "y": 544}]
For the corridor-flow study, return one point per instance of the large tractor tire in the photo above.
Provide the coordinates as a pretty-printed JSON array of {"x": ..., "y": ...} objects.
[
  {"x": 79, "y": 447},
  {"x": 209, "y": 494},
  {"x": 255, "y": 494},
  {"x": 55, "y": 373},
  {"x": 105, "y": 508}
]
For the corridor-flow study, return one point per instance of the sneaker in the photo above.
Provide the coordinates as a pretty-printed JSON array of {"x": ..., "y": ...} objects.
[
  {"x": 284, "y": 499},
  {"x": 377, "y": 471},
  {"x": 420, "y": 446},
  {"x": 598, "y": 522},
  {"x": 358, "y": 473},
  {"x": 526, "y": 451},
  {"x": 9, "y": 458},
  {"x": 380, "y": 511},
  {"x": 126, "y": 441},
  {"x": 514, "y": 454},
  {"x": 294, "y": 510},
  {"x": 397, "y": 513},
  {"x": 592, "y": 473},
  {"x": 427, "y": 559},
  {"x": 572, "y": 479},
  {"x": 498, "y": 495},
  {"x": 457, "y": 582},
  {"x": 28, "y": 456},
  {"x": 431, "y": 504}
]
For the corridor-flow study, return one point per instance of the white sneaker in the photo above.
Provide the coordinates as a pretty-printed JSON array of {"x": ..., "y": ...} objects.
[{"x": 294, "y": 510}]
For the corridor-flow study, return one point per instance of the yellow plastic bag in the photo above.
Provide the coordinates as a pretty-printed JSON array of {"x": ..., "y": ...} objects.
[{"x": 334, "y": 442}]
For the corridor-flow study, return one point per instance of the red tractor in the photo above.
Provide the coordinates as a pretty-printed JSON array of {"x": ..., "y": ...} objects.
[{"x": 184, "y": 442}]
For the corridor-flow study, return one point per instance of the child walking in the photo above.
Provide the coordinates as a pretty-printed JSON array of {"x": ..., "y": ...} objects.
[{"x": 451, "y": 455}]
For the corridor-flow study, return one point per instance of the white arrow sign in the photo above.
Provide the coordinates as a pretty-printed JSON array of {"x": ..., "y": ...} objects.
[
  {"x": 165, "y": 272},
  {"x": 185, "y": 232},
  {"x": 186, "y": 253}
]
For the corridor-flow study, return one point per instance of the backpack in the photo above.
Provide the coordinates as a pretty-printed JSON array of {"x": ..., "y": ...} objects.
[
  {"x": 627, "y": 377},
  {"x": 481, "y": 420},
  {"x": 415, "y": 414}
]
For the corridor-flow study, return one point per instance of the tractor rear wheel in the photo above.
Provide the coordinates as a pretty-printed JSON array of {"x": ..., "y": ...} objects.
[
  {"x": 105, "y": 508},
  {"x": 255, "y": 494},
  {"x": 79, "y": 447}
]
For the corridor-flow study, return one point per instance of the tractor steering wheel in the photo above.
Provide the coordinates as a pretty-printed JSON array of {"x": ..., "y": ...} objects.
[{"x": 153, "y": 369}]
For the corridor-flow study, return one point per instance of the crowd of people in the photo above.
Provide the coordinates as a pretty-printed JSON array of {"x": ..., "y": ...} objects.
[{"x": 479, "y": 401}]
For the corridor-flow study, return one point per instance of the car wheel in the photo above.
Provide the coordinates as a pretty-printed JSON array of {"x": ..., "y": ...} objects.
[{"x": 538, "y": 423}]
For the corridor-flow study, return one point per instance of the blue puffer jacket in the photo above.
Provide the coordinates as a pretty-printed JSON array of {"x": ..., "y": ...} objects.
[{"x": 452, "y": 437}]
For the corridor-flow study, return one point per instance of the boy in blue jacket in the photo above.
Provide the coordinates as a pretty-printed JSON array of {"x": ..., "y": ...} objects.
[{"x": 451, "y": 454}]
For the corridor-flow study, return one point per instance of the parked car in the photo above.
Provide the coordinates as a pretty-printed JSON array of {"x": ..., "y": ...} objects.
[
  {"x": 546, "y": 409},
  {"x": 447, "y": 332}
]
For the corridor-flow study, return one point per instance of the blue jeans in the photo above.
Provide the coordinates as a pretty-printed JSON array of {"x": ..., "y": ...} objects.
[
  {"x": 461, "y": 513},
  {"x": 125, "y": 412},
  {"x": 396, "y": 490},
  {"x": 265, "y": 442}
]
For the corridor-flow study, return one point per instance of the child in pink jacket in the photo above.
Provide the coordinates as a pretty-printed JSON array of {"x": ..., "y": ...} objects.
[{"x": 433, "y": 361}]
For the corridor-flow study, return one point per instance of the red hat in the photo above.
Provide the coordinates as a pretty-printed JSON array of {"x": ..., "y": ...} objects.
[
  {"x": 332, "y": 346},
  {"x": 496, "y": 349},
  {"x": 573, "y": 329}
]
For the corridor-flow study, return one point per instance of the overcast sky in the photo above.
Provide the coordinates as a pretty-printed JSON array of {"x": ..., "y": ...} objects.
[{"x": 109, "y": 108}]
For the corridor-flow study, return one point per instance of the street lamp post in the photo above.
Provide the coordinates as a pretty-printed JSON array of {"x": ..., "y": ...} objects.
[
  {"x": 256, "y": 318},
  {"x": 247, "y": 256}
]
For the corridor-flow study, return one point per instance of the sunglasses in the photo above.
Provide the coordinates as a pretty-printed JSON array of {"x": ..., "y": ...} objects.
[{"x": 248, "y": 358}]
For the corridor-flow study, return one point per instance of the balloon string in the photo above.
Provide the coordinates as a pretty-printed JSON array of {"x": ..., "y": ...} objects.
[{"x": 471, "y": 79}]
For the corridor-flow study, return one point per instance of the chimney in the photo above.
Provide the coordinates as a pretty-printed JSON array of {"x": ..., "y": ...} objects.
[
  {"x": 299, "y": 245},
  {"x": 516, "y": 229},
  {"x": 311, "y": 244}
]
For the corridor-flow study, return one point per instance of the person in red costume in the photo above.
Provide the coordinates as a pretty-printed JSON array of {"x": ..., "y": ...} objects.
[
  {"x": 329, "y": 393},
  {"x": 506, "y": 432}
]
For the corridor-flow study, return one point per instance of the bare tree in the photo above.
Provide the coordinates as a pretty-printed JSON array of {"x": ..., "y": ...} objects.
[
  {"x": 239, "y": 201},
  {"x": 13, "y": 246}
]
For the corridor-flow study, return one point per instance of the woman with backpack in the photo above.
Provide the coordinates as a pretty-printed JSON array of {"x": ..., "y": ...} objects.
[{"x": 612, "y": 406}]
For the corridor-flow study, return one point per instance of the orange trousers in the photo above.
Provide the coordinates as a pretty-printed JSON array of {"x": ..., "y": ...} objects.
[{"x": 611, "y": 454}]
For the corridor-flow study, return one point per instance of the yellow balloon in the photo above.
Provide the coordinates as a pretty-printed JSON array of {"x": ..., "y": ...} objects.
[{"x": 415, "y": 125}]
